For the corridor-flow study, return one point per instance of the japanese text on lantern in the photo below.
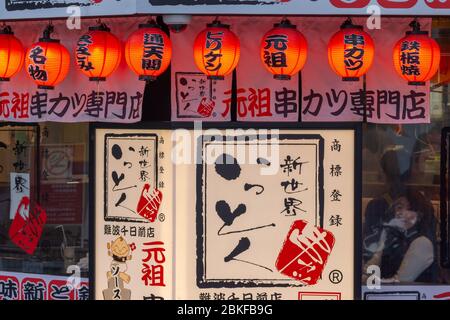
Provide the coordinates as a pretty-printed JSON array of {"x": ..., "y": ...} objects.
[
  {"x": 214, "y": 45},
  {"x": 153, "y": 51}
]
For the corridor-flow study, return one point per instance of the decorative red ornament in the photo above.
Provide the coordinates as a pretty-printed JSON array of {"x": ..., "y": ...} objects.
[
  {"x": 47, "y": 61},
  {"x": 12, "y": 54},
  {"x": 284, "y": 50},
  {"x": 148, "y": 51},
  {"x": 98, "y": 53},
  {"x": 416, "y": 56},
  {"x": 216, "y": 50},
  {"x": 350, "y": 51}
]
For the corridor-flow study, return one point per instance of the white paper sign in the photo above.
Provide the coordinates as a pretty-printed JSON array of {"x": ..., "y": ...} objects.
[
  {"x": 194, "y": 97},
  {"x": 19, "y": 188}
]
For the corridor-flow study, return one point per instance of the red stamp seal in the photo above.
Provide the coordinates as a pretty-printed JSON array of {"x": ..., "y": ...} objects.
[
  {"x": 149, "y": 203},
  {"x": 305, "y": 252}
]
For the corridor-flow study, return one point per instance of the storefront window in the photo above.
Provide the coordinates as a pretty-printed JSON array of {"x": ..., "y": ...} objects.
[
  {"x": 401, "y": 188},
  {"x": 49, "y": 165}
]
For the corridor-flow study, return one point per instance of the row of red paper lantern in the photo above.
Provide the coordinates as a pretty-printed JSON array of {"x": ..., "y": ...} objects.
[{"x": 148, "y": 53}]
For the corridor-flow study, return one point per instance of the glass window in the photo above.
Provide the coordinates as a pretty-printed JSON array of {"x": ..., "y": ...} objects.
[
  {"x": 54, "y": 158},
  {"x": 401, "y": 188}
]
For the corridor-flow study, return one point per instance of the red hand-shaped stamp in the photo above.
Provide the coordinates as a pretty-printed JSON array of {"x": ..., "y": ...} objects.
[
  {"x": 27, "y": 226},
  {"x": 149, "y": 203},
  {"x": 206, "y": 107},
  {"x": 305, "y": 252}
]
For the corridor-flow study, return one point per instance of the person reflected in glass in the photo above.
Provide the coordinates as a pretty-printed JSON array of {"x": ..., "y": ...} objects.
[{"x": 404, "y": 246}]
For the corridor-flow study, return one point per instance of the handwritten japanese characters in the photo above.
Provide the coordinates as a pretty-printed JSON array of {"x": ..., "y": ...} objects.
[
  {"x": 133, "y": 212},
  {"x": 21, "y": 286},
  {"x": 244, "y": 220},
  {"x": 269, "y": 236},
  {"x": 76, "y": 99},
  {"x": 247, "y": 225},
  {"x": 132, "y": 178}
]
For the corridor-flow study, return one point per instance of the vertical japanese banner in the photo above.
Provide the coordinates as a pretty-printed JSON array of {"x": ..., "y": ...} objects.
[
  {"x": 260, "y": 97},
  {"x": 274, "y": 216},
  {"x": 19, "y": 188},
  {"x": 118, "y": 99},
  {"x": 194, "y": 97},
  {"x": 133, "y": 215},
  {"x": 389, "y": 97},
  {"x": 325, "y": 97}
]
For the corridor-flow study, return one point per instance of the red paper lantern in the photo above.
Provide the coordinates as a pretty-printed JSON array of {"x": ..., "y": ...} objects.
[
  {"x": 11, "y": 54},
  {"x": 148, "y": 51},
  {"x": 216, "y": 50},
  {"x": 416, "y": 56},
  {"x": 98, "y": 53},
  {"x": 283, "y": 50},
  {"x": 350, "y": 51},
  {"x": 47, "y": 61}
]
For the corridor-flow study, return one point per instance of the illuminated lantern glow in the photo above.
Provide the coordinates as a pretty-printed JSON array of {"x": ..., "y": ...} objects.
[
  {"x": 148, "y": 51},
  {"x": 216, "y": 51},
  {"x": 283, "y": 50},
  {"x": 98, "y": 53},
  {"x": 12, "y": 54},
  {"x": 47, "y": 61},
  {"x": 416, "y": 56},
  {"x": 350, "y": 52}
]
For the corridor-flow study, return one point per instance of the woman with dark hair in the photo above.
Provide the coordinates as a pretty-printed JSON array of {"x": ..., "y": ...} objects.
[{"x": 404, "y": 247}]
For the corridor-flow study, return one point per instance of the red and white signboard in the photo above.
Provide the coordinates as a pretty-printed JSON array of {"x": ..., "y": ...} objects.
[{"x": 24, "y": 286}]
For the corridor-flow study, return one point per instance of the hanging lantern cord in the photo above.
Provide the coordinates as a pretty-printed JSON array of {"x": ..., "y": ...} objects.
[
  {"x": 415, "y": 25},
  {"x": 347, "y": 23},
  {"x": 5, "y": 29},
  {"x": 48, "y": 31}
]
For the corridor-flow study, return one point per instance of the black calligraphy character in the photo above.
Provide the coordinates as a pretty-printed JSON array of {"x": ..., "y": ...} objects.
[
  {"x": 336, "y": 195},
  {"x": 291, "y": 165},
  {"x": 143, "y": 151},
  {"x": 249, "y": 186},
  {"x": 127, "y": 164},
  {"x": 335, "y": 220},
  {"x": 277, "y": 41},
  {"x": 227, "y": 167},
  {"x": 335, "y": 170},
  {"x": 286, "y": 102},
  {"x": 122, "y": 199},
  {"x": 19, "y": 184},
  {"x": 19, "y": 148},
  {"x": 291, "y": 205},
  {"x": 9, "y": 290},
  {"x": 336, "y": 145},
  {"x": 310, "y": 99},
  {"x": 293, "y": 184},
  {"x": 224, "y": 212},
  {"x": 37, "y": 73},
  {"x": 242, "y": 246},
  {"x": 37, "y": 56}
]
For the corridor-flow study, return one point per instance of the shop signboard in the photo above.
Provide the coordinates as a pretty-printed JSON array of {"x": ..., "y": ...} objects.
[
  {"x": 32, "y": 9},
  {"x": 238, "y": 213},
  {"x": 26, "y": 286}
]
